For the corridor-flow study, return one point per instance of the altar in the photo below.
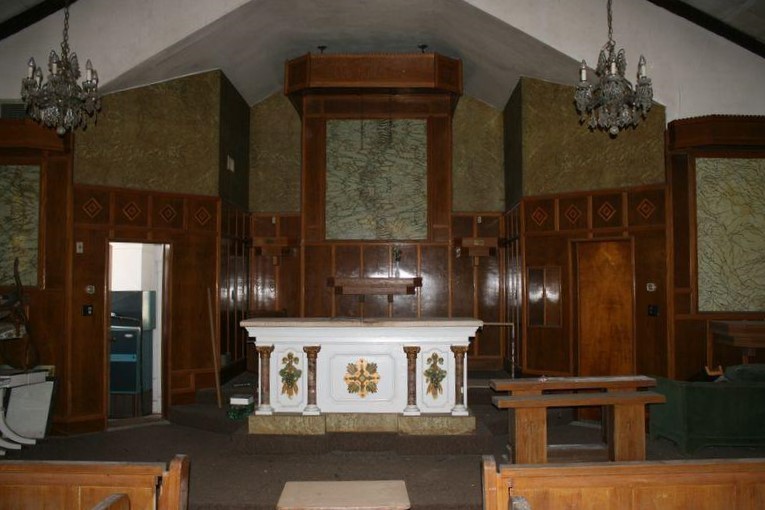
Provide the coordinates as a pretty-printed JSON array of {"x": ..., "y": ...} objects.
[{"x": 407, "y": 367}]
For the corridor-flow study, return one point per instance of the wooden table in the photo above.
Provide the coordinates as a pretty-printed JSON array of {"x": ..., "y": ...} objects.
[
  {"x": 350, "y": 495},
  {"x": 619, "y": 394}
]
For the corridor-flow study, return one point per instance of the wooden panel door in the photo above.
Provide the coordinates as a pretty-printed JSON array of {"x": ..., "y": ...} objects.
[{"x": 605, "y": 307}]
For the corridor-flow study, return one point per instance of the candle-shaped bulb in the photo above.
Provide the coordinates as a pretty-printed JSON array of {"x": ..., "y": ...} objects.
[
  {"x": 88, "y": 70},
  {"x": 613, "y": 67},
  {"x": 53, "y": 62},
  {"x": 31, "y": 68},
  {"x": 641, "y": 67},
  {"x": 583, "y": 71}
]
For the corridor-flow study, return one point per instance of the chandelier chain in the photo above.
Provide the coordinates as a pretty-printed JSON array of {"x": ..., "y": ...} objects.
[
  {"x": 65, "y": 43},
  {"x": 610, "y": 24}
]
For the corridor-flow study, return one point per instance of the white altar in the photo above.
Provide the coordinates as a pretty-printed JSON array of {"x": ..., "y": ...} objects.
[{"x": 321, "y": 365}]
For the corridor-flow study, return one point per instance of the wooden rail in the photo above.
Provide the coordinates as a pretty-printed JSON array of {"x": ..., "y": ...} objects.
[
  {"x": 84, "y": 485},
  {"x": 718, "y": 484}
]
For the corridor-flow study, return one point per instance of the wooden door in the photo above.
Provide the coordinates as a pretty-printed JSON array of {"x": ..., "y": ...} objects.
[{"x": 605, "y": 307}]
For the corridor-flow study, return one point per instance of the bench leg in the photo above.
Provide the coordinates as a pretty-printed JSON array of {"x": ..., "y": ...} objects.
[
  {"x": 627, "y": 432},
  {"x": 529, "y": 435}
]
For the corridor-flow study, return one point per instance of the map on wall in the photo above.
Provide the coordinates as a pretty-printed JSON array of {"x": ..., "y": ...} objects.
[
  {"x": 730, "y": 217},
  {"x": 376, "y": 179},
  {"x": 19, "y": 222}
]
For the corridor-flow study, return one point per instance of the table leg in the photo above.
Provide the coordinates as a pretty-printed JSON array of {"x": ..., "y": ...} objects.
[
  {"x": 627, "y": 435},
  {"x": 7, "y": 432},
  {"x": 529, "y": 436}
]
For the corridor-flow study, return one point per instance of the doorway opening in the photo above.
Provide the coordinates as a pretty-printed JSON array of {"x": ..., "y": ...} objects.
[{"x": 135, "y": 332}]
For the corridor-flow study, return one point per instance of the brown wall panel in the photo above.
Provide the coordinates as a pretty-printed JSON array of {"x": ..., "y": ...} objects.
[
  {"x": 539, "y": 215},
  {"x": 318, "y": 266},
  {"x": 434, "y": 269},
  {"x": 130, "y": 209},
  {"x": 646, "y": 207},
  {"x": 407, "y": 305},
  {"x": 88, "y": 347},
  {"x": 690, "y": 348},
  {"x": 377, "y": 264},
  {"x": 650, "y": 268},
  {"x": 607, "y": 211},
  {"x": 347, "y": 264},
  {"x": 573, "y": 213},
  {"x": 91, "y": 205},
  {"x": 681, "y": 217}
]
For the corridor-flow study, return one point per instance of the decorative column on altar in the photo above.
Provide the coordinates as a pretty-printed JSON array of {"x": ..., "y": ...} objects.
[
  {"x": 264, "y": 406},
  {"x": 411, "y": 408},
  {"x": 311, "y": 409},
  {"x": 459, "y": 409}
]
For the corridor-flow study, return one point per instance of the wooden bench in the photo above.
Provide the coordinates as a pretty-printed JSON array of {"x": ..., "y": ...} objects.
[
  {"x": 625, "y": 405},
  {"x": 85, "y": 485},
  {"x": 713, "y": 484}
]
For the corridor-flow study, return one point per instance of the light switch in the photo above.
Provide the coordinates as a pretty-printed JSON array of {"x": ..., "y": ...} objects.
[{"x": 79, "y": 247}]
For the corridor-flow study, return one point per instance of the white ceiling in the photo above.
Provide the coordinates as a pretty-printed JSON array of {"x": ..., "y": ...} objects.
[
  {"x": 493, "y": 53},
  {"x": 252, "y": 39}
]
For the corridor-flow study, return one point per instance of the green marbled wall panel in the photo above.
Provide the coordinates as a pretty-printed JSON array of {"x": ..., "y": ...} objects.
[
  {"x": 19, "y": 222},
  {"x": 730, "y": 218},
  {"x": 560, "y": 155},
  {"x": 162, "y": 137},
  {"x": 377, "y": 174},
  {"x": 477, "y": 159},
  {"x": 274, "y": 156}
]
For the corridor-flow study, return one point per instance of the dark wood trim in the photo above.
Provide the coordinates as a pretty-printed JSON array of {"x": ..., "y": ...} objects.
[
  {"x": 717, "y": 26},
  {"x": 31, "y": 16},
  {"x": 720, "y": 132}
]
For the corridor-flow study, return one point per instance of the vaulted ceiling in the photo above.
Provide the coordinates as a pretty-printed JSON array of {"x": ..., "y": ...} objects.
[{"x": 494, "y": 54}]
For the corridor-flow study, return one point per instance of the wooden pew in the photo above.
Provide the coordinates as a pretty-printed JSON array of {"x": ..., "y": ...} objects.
[
  {"x": 709, "y": 484},
  {"x": 84, "y": 485},
  {"x": 621, "y": 396}
]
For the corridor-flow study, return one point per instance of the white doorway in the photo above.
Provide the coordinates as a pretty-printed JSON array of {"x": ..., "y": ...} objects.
[{"x": 136, "y": 276}]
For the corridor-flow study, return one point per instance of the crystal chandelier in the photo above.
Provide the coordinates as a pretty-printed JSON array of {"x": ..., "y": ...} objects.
[
  {"x": 611, "y": 104},
  {"x": 61, "y": 102}
]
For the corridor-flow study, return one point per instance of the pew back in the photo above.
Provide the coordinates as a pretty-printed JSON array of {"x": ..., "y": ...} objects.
[
  {"x": 710, "y": 484},
  {"x": 84, "y": 485}
]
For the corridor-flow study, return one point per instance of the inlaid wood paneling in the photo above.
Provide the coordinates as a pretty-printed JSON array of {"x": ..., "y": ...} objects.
[
  {"x": 607, "y": 211},
  {"x": 91, "y": 206},
  {"x": 553, "y": 349},
  {"x": 130, "y": 209},
  {"x": 573, "y": 213},
  {"x": 646, "y": 207},
  {"x": 539, "y": 215},
  {"x": 318, "y": 297},
  {"x": 407, "y": 305}
]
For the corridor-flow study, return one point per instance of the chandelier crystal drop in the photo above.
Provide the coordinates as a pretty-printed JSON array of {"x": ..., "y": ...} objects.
[
  {"x": 611, "y": 104},
  {"x": 60, "y": 102}
]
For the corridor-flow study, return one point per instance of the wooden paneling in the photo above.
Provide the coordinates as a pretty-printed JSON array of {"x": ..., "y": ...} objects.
[
  {"x": 572, "y": 213},
  {"x": 607, "y": 211},
  {"x": 689, "y": 139},
  {"x": 318, "y": 297},
  {"x": 192, "y": 271},
  {"x": 434, "y": 269},
  {"x": 553, "y": 226},
  {"x": 26, "y": 142}
]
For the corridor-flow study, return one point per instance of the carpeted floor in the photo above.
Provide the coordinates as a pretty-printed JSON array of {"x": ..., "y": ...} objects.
[{"x": 229, "y": 470}]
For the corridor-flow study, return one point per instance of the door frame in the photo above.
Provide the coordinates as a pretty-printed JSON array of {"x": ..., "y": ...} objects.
[{"x": 166, "y": 334}]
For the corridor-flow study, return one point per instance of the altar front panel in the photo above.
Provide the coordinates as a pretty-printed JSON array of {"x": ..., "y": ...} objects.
[{"x": 362, "y": 366}]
